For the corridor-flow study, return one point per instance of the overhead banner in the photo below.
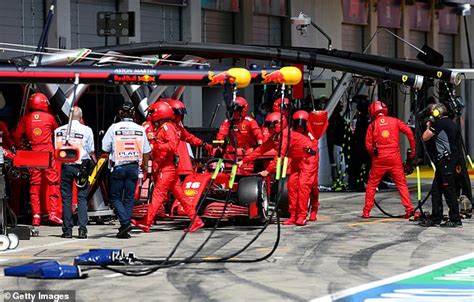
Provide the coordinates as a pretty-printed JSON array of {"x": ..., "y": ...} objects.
[
  {"x": 448, "y": 21},
  {"x": 355, "y": 12},
  {"x": 389, "y": 13},
  {"x": 420, "y": 16}
]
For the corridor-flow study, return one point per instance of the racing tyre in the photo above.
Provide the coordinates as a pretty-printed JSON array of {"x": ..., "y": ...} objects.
[{"x": 253, "y": 189}]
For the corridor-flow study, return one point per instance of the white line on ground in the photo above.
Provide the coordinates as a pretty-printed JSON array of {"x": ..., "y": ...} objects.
[
  {"x": 339, "y": 197},
  {"x": 4, "y": 260},
  {"x": 115, "y": 275},
  {"x": 42, "y": 246},
  {"x": 423, "y": 270}
]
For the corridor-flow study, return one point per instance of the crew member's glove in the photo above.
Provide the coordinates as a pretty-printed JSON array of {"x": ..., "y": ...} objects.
[
  {"x": 208, "y": 148},
  {"x": 410, "y": 163}
]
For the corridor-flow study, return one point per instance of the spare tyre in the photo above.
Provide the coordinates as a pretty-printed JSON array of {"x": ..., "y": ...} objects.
[{"x": 253, "y": 189}]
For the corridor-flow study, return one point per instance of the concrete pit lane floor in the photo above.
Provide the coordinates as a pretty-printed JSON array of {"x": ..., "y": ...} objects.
[{"x": 337, "y": 252}]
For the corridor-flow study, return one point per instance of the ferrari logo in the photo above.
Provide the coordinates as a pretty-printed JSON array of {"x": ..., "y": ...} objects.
[
  {"x": 36, "y": 116},
  {"x": 385, "y": 133},
  {"x": 190, "y": 192},
  {"x": 439, "y": 74},
  {"x": 404, "y": 78},
  {"x": 37, "y": 131}
]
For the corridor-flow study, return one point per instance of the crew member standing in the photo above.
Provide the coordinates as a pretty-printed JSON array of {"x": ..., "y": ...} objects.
[
  {"x": 383, "y": 144},
  {"x": 128, "y": 146},
  {"x": 300, "y": 125},
  {"x": 166, "y": 177},
  {"x": 303, "y": 165},
  {"x": 245, "y": 129},
  {"x": 81, "y": 138},
  {"x": 276, "y": 107},
  {"x": 38, "y": 126},
  {"x": 440, "y": 136}
]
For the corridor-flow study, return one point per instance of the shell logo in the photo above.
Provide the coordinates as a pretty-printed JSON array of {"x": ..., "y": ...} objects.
[
  {"x": 190, "y": 192},
  {"x": 37, "y": 131},
  {"x": 385, "y": 133},
  {"x": 36, "y": 116}
]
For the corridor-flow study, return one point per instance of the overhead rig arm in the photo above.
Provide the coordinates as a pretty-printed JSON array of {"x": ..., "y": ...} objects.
[
  {"x": 118, "y": 75},
  {"x": 307, "y": 57}
]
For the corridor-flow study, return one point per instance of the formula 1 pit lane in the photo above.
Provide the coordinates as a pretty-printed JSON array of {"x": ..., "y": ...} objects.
[{"x": 338, "y": 252}]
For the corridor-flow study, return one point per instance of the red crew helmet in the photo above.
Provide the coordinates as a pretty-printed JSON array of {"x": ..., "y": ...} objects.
[
  {"x": 179, "y": 109},
  {"x": 273, "y": 120},
  {"x": 38, "y": 101},
  {"x": 162, "y": 111},
  {"x": 241, "y": 104},
  {"x": 300, "y": 119},
  {"x": 377, "y": 107},
  {"x": 277, "y": 105}
]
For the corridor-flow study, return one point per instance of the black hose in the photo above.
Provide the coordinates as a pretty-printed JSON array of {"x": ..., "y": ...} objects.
[{"x": 166, "y": 263}]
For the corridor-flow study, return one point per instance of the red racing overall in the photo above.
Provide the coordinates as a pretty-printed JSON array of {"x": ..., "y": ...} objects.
[
  {"x": 302, "y": 170},
  {"x": 383, "y": 145},
  {"x": 38, "y": 127}
]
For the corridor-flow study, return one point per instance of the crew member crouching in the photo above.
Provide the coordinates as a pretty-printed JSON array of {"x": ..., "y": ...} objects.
[{"x": 303, "y": 164}]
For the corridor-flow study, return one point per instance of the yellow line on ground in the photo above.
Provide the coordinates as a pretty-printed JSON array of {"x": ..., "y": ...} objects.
[
  {"x": 211, "y": 258},
  {"x": 427, "y": 172},
  {"x": 372, "y": 221}
]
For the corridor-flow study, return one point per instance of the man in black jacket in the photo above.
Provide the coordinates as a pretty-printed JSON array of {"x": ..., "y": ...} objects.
[{"x": 440, "y": 135}]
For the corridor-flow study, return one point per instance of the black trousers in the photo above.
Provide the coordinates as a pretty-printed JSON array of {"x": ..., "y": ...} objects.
[
  {"x": 443, "y": 185},
  {"x": 68, "y": 175}
]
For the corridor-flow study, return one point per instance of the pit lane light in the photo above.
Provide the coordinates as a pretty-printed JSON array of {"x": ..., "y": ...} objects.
[{"x": 67, "y": 154}]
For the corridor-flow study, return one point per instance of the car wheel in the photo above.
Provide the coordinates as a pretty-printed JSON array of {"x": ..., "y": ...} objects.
[{"x": 253, "y": 189}]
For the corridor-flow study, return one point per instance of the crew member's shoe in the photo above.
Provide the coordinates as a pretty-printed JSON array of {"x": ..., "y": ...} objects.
[
  {"x": 141, "y": 225},
  {"x": 66, "y": 235},
  {"x": 55, "y": 220},
  {"x": 82, "y": 234},
  {"x": 313, "y": 216},
  {"x": 365, "y": 214},
  {"x": 301, "y": 222},
  {"x": 289, "y": 221},
  {"x": 36, "y": 220},
  {"x": 428, "y": 223},
  {"x": 123, "y": 231},
  {"x": 415, "y": 216},
  {"x": 451, "y": 224},
  {"x": 197, "y": 224}
]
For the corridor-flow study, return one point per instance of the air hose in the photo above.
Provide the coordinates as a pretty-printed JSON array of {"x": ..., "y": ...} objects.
[
  {"x": 420, "y": 202},
  {"x": 167, "y": 263}
]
